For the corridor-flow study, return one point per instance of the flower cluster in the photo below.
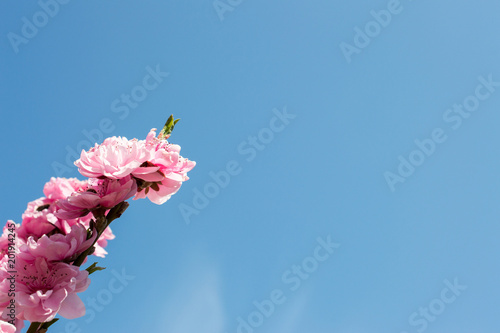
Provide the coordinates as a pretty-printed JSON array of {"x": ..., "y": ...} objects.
[{"x": 40, "y": 258}]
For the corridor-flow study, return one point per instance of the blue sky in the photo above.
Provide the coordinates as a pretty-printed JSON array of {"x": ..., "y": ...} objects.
[{"x": 414, "y": 253}]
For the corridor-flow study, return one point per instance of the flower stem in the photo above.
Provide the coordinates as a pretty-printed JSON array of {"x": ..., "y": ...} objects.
[
  {"x": 113, "y": 214},
  {"x": 33, "y": 327}
]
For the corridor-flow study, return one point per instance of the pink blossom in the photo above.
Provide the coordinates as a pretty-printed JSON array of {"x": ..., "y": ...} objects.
[
  {"x": 8, "y": 236},
  {"x": 164, "y": 173},
  {"x": 102, "y": 242},
  {"x": 57, "y": 247},
  {"x": 4, "y": 276},
  {"x": 40, "y": 216},
  {"x": 66, "y": 224},
  {"x": 10, "y": 314},
  {"x": 61, "y": 188},
  {"x": 115, "y": 158},
  {"x": 159, "y": 193},
  {"x": 38, "y": 219},
  {"x": 101, "y": 193},
  {"x": 45, "y": 289},
  {"x": 148, "y": 172},
  {"x": 6, "y": 327}
]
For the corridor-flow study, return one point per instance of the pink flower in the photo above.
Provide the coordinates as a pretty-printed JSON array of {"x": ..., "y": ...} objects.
[
  {"x": 44, "y": 289},
  {"x": 101, "y": 193},
  {"x": 9, "y": 237},
  {"x": 10, "y": 318},
  {"x": 61, "y": 188},
  {"x": 115, "y": 158},
  {"x": 154, "y": 162},
  {"x": 57, "y": 247},
  {"x": 159, "y": 193},
  {"x": 38, "y": 219},
  {"x": 6, "y": 327},
  {"x": 164, "y": 173},
  {"x": 102, "y": 242}
]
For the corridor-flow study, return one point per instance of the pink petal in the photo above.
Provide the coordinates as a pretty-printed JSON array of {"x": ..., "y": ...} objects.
[{"x": 72, "y": 307}]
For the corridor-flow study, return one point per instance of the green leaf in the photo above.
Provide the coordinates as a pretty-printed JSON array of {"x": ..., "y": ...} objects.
[
  {"x": 168, "y": 128},
  {"x": 94, "y": 268}
]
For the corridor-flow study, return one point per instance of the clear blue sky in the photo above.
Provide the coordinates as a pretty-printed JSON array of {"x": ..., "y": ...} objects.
[{"x": 418, "y": 247}]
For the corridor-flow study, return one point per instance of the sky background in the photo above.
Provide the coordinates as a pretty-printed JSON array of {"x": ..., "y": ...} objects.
[{"x": 323, "y": 175}]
